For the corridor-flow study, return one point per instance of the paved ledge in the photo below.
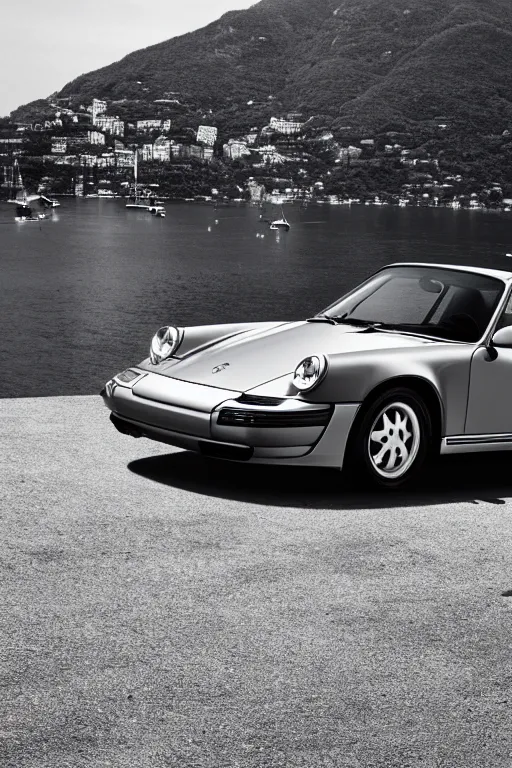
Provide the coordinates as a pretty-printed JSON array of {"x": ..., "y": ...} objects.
[{"x": 160, "y": 611}]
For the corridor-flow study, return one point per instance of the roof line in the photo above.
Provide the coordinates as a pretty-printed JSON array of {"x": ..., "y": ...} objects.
[{"x": 499, "y": 273}]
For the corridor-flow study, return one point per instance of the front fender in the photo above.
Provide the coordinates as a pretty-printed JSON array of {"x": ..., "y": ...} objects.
[{"x": 351, "y": 378}]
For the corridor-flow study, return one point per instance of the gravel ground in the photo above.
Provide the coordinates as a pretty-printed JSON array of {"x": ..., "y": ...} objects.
[{"x": 160, "y": 611}]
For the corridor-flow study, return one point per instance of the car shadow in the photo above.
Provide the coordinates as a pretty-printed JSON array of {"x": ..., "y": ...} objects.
[{"x": 471, "y": 478}]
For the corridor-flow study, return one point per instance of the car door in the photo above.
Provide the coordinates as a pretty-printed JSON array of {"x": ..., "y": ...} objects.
[{"x": 489, "y": 409}]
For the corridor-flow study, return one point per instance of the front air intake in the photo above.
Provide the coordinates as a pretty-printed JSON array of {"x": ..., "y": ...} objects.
[
  {"x": 246, "y": 399},
  {"x": 238, "y": 417}
]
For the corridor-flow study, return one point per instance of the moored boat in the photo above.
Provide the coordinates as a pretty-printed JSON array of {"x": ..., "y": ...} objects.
[
  {"x": 157, "y": 210},
  {"x": 22, "y": 199},
  {"x": 25, "y": 213},
  {"x": 281, "y": 223}
]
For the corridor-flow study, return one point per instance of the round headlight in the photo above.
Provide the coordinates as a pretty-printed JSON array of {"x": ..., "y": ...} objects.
[
  {"x": 310, "y": 372},
  {"x": 163, "y": 344}
]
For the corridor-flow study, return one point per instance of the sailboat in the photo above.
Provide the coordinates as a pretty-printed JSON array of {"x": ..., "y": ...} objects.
[
  {"x": 23, "y": 210},
  {"x": 280, "y": 223},
  {"x": 137, "y": 200}
]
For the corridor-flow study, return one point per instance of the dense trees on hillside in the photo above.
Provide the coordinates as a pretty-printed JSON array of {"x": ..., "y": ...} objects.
[{"x": 368, "y": 64}]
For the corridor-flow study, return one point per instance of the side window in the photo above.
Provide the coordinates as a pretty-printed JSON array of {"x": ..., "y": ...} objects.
[{"x": 506, "y": 316}]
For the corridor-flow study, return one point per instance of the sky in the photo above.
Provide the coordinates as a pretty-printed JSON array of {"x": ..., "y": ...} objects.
[{"x": 45, "y": 45}]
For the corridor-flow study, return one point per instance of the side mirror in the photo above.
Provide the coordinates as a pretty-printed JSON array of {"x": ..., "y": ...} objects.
[{"x": 503, "y": 337}]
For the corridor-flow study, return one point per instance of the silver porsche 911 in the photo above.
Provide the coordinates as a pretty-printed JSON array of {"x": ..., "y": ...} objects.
[{"x": 414, "y": 362}]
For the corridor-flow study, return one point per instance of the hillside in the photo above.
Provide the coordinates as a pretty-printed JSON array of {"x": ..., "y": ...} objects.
[
  {"x": 242, "y": 56},
  {"x": 366, "y": 63},
  {"x": 441, "y": 78}
]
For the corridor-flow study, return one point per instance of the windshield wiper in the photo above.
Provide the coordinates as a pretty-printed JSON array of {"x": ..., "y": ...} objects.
[
  {"x": 370, "y": 325},
  {"x": 366, "y": 325},
  {"x": 344, "y": 320},
  {"x": 322, "y": 319},
  {"x": 408, "y": 329}
]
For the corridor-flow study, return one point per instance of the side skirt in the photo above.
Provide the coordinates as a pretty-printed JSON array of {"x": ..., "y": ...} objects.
[{"x": 476, "y": 443}]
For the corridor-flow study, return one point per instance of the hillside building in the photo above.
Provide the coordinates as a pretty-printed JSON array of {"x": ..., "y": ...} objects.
[
  {"x": 88, "y": 161},
  {"x": 106, "y": 160},
  {"x": 63, "y": 159},
  {"x": 270, "y": 155},
  {"x": 257, "y": 191},
  {"x": 98, "y": 108},
  {"x": 147, "y": 152},
  {"x": 196, "y": 151},
  {"x": 287, "y": 127},
  {"x": 125, "y": 158},
  {"x": 77, "y": 140},
  {"x": 162, "y": 149},
  {"x": 207, "y": 134},
  {"x": 95, "y": 137},
  {"x": 122, "y": 158},
  {"x": 8, "y": 143},
  {"x": 144, "y": 126},
  {"x": 110, "y": 124},
  {"x": 204, "y": 154},
  {"x": 59, "y": 145},
  {"x": 235, "y": 149},
  {"x": 349, "y": 152}
]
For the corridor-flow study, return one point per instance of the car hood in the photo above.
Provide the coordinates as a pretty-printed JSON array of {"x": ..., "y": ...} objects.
[{"x": 250, "y": 360}]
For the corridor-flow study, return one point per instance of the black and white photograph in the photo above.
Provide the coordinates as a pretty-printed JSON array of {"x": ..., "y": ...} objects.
[{"x": 256, "y": 384}]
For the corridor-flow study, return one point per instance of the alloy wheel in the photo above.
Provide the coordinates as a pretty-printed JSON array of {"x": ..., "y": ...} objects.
[{"x": 394, "y": 440}]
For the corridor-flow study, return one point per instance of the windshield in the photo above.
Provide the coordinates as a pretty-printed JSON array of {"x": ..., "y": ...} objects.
[{"x": 428, "y": 301}]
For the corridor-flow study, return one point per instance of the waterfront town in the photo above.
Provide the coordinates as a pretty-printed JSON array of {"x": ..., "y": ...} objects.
[{"x": 92, "y": 149}]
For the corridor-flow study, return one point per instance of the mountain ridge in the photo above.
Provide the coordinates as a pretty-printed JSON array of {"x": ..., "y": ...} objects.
[{"x": 365, "y": 62}]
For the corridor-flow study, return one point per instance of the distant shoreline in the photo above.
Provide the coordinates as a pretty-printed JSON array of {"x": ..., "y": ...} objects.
[{"x": 226, "y": 203}]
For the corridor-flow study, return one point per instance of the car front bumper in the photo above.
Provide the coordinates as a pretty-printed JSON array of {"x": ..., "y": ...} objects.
[{"x": 216, "y": 423}]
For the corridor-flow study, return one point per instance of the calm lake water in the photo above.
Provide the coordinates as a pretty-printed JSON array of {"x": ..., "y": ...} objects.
[{"x": 82, "y": 294}]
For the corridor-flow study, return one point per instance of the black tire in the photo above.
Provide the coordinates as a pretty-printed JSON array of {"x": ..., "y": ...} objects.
[{"x": 406, "y": 414}]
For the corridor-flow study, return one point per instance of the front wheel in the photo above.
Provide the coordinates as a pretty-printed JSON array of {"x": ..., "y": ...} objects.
[{"x": 392, "y": 440}]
